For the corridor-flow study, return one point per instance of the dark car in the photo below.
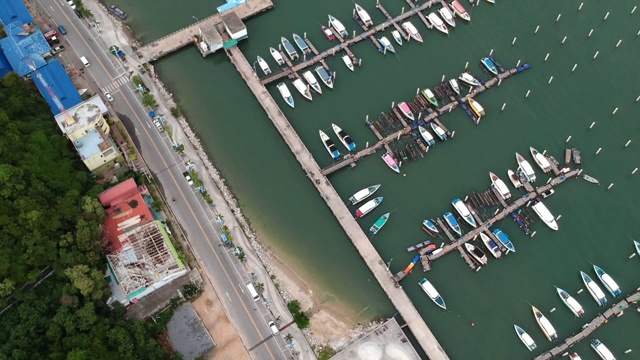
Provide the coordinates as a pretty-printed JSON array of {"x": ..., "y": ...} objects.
[
  {"x": 62, "y": 30},
  {"x": 78, "y": 13}
]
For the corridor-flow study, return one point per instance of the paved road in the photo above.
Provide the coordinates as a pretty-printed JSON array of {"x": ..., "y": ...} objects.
[{"x": 250, "y": 318}]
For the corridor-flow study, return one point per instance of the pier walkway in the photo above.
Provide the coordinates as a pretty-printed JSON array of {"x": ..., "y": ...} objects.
[
  {"x": 614, "y": 311},
  {"x": 396, "y": 294}
]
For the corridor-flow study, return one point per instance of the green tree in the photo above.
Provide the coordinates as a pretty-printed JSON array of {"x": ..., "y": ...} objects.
[
  {"x": 175, "y": 111},
  {"x": 302, "y": 320},
  {"x": 148, "y": 100},
  {"x": 294, "y": 306}
]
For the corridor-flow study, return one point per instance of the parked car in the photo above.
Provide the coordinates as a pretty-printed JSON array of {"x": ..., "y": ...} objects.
[
  {"x": 57, "y": 49},
  {"x": 62, "y": 30},
  {"x": 72, "y": 4},
  {"x": 108, "y": 96},
  {"x": 78, "y": 13},
  {"x": 158, "y": 125},
  {"x": 273, "y": 328},
  {"x": 188, "y": 178}
]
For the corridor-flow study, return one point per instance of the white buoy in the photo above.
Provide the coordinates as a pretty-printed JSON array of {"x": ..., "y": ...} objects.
[
  {"x": 592, "y": 125},
  {"x": 634, "y": 171},
  {"x": 533, "y": 234},
  {"x": 550, "y": 79},
  {"x": 491, "y": 52},
  {"x": 598, "y": 151},
  {"x": 580, "y": 291},
  {"x": 606, "y": 16},
  {"x": 497, "y": 211},
  {"x": 367, "y": 118},
  {"x": 569, "y": 138},
  {"x": 442, "y": 78},
  {"x": 552, "y": 310},
  {"x": 453, "y": 134},
  {"x": 450, "y": 109},
  {"x": 559, "y": 217},
  {"x": 499, "y": 81},
  {"x": 632, "y": 256},
  {"x": 518, "y": 64},
  {"x": 627, "y": 144},
  {"x": 398, "y": 138},
  {"x": 610, "y": 186},
  {"x": 549, "y": 180},
  {"x": 638, "y": 33},
  {"x": 574, "y": 67},
  {"x": 441, "y": 245},
  {"x": 367, "y": 145},
  {"x": 420, "y": 115},
  {"x": 466, "y": 65},
  {"x": 580, "y": 7},
  {"x": 402, "y": 10},
  {"x": 619, "y": 42},
  {"x": 558, "y": 18},
  {"x": 634, "y": 9},
  {"x": 514, "y": 41},
  {"x": 503, "y": 105},
  {"x": 596, "y": 54},
  {"x": 546, "y": 57},
  {"x": 614, "y": 111},
  {"x": 564, "y": 39},
  {"x": 417, "y": 91},
  {"x": 393, "y": 104},
  {"x": 537, "y": 28},
  {"x": 638, "y": 98},
  {"x": 628, "y": 350},
  {"x": 528, "y": 92},
  {"x": 590, "y": 32}
]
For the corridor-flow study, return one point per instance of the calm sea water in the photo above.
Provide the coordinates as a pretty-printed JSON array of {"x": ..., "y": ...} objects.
[{"x": 596, "y": 225}]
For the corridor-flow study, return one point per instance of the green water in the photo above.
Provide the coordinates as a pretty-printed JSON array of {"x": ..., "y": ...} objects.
[{"x": 284, "y": 207}]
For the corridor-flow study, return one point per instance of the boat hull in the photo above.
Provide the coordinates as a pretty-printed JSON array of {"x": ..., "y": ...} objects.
[
  {"x": 379, "y": 223},
  {"x": 546, "y": 327},
  {"x": 594, "y": 289},
  {"x": 368, "y": 207},
  {"x": 363, "y": 194}
]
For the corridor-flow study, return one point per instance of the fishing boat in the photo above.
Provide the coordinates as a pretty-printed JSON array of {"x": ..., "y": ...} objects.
[
  {"x": 437, "y": 23},
  {"x": 432, "y": 293},
  {"x": 591, "y": 179},
  {"x": 545, "y": 215},
  {"x": 329, "y": 145},
  {"x": 575, "y": 155},
  {"x": 344, "y": 138},
  {"x": 385, "y": 45},
  {"x": 476, "y": 253},
  {"x": 463, "y": 210},
  {"x": 308, "y": 76},
  {"x": 637, "y": 245},
  {"x": 601, "y": 350},
  {"x": 430, "y": 226},
  {"x": 347, "y": 61},
  {"x": 302, "y": 88},
  {"x": 412, "y": 31},
  {"x": 571, "y": 303},
  {"x": 488, "y": 64},
  {"x": 491, "y": 245},
  {"x": 460, "y": 11},
  {"x": 544, "y": 324},
  {"x": 337, "y": 26},
  {"x": 594, "y": 289},
  {"x": 607, "y": 281},
  {"x": 447, "y": 16},
  {"x": 454, "y": 85},
  {"x": 574, "y": 356},
  {"x": 391, "y": 162},
  {"x": 526, "y": 168},
  {"x": 514, "y": 179},
  {"x": 504, "y": 239},
  {"x": 328, "y": 33},
  {"x": 452, "y": 222},
  {"x": 289, "y": 49},
  {"x": 363, "y": 194},
  {"x": 468, "y": 79},
  {"x": 525, "y": 338},
  {"x": 428, "y": 95},
  {"x": 276, "y": 56},
  {"x": 476, "y": 107},
  {"x": 438, "y": 131},
  {"x": 368, "y": 207},
  {"x": 379, "y": 223},
  {"x": 263, "y": 65},
  {"x": 406, "y": 111},
  {"x": 301, "y": 44},
  {"x": 541, "y": 160},
  {"x": 364, "y": 16},
  {"x": 426, "y": 136},
  {"x": 500, "y": 186},
  {"x": 397, "y": 37},
  {"x": 324, "y": 76},
  {"x": 286, "y": 95}
]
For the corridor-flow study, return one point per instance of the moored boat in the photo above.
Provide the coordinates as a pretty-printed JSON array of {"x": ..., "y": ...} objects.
[
  {"x": 476, "y": 107},
  {"x": 363, "y": 194},
  {"x": 328, "y": 33},
  {"x": 286, "y": 95},
  {"x": 570, "y": 302},
  {"x": 379, "y": 223},
  {"x": 500, "y": 186},
  {"x": 329, "y": 145},
  {"x": 391, "y": 162},
  {"x": 412, "y": 31},
  {"x": 276, "y": 56},
  {"x": 426, "y": 136},
  {"x": 302, "y": 89},
  {"x": 337, "y": 25},
  {"x": 368, "y": 207},
  {"x": 490, "y": 245},
  {"x": 430, "y": 226},
  {"x": 574, "y": 356},
  {"x": 397, "y": 37},
  {"x": 386, "y": 45},
  {"x": 454, "y": 86},
  {"x": 601, "y": 350},
  {"x": 301, "y": 44},
  {"x": 463, "y": 210},
  {"x": 447, "y": 16},
  {"x": 308, "y": 76},
  {"x": 504, "y": 239},
  {"x": 432, "y": 293},
  {"x": 544, "y": 324},
  {"x": 344, "y": 138},
  {"x": 347, "y": 61},
  {"x": 263, "y": 65},
  {"x": 476, "y": 253},
  {"x": 514, "y": 179},
  {"x": 468, "y": 79},
  {"x": 452, "y": 222},
  {"x": 607, "y": 281},
  {"x": 542, "y": 161},
  {"x": 430, "y": 97},
  {"x": 594, "y": 289},
  {"x": 438, "y": 131},
  {"x": 545, "y": 215},
  {"x": 324, "y": 76},
  {"x": 488, "y": 64},
  {"x": 289, "y": 49},
  {"x": 526, "y": 168},
  {"x": 591, "y": 179},
  {"x": 437, "y": 23},
  {"x": 406, "y": 111},
  {"x": 525, "y": 338},
  {"x": 363, "y": 15},
  {"x": 460, "y": 11}
]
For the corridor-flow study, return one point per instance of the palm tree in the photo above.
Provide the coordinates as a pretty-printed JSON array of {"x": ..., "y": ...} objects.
[
  {"x": 289, "y": 338},
  {"x": 259, "y": 287}
]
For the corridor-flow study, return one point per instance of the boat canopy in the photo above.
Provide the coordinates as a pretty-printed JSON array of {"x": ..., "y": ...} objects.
[
  {"x": 528, "y": 170},
  {"x": 429, "y": 289},
  {"x": 596, "y": 289},
  {"x": 543, "y": 212},
  {"x": 501, "y": 187}
]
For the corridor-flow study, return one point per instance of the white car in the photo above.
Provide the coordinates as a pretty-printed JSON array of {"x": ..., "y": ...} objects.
[
  {"x": 108, "y": 96},
  {"x": 188, "y": 178},
  {"x": 72, "y": 4},
  {"x": 158, "y": 125},
  {"x": 273, "y": 328}
]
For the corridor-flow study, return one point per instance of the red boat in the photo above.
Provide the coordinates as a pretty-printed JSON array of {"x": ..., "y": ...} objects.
[{"x": 328, "y": 33}]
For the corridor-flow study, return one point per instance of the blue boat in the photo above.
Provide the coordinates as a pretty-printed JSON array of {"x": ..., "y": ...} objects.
[
  {"x": 504, "y": 239},
  {"x": 329, "y": 145},
  {"x": 489, "y": 65},
  {"x": 430, "y": 226},
  {"x": 462, "y": 209},
  {"x": 452, "y": 222}
]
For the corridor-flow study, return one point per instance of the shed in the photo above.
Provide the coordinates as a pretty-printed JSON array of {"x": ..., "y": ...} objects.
[
  {"x": 211, "y": 38},
  {"x": 234, "y": 26}
]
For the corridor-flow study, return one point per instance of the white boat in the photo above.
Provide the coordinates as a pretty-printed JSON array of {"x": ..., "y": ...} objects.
[
  {"x": 276, "y": 56},
  {"x": 437, "y": 23},
  {"x": 312, "y": 81},
  {"x": 264, "y": 66},
  {"x": 426, "y": 136},
  {"x": 541, "y": 160},
  {"x": 329, "y": 145},
  {"x": 454, "y": 86},
  {"x": 544, "y": 324},
  {"x": 500, "y": 186},
  {"x": 490, "y": 245},
  {"x": 325, "y": 77},
  {"x": 571, "y": 303},
  {"x": 286, "y": 95},
  {"x": 460, "y": 11},
  {"x": 468, "y": 79},
  {"x": 476, "y": 107},
  {"x": 441, "y": 134},
  {"x": 601, "y": 350},
  {"x": 344, "y": 138},
  {"x": 368, "y": 207},
  {"x": 526, "y": 168},
  {"x": 447, "y": 16},
  {"x": 545, "y": 215},
  {"x": 289, "y": 49},
  {"x": 406, "y": 111},
  {"x": 594, "y": 289},
  {"x": 386, "y": 45},
  {"x": 574, "y": 356},
  {"x": 607, "y": 281},
  {"x": 463, "y": 210},
  {"x": 432, "y": 293},
  {"x": 337, "y": 26},
  {"x": 302, "y": 88},
  {"x": 397, "y": 37},
  {"x": 348, "y": 62},
  {"x": 412, "y": 31},
  {"x": 525, "y": 338},
  {"x": 476, "y": 253},
  {"x": 391, "y": 162},
  {"x": 363, "y": 194},
  {"x": 514, "y": 179},
  {"x": 363, "y": 15}
]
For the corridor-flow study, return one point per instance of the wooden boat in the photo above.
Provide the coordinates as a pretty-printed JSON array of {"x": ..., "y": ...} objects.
[
  {"x": 289, "y": 49},
  {"x": 504, "y": 239},
  {"x": 426, "y": 136},
  {"x": 567, "y": 156},
  {"x": 368, "y": 207},
  {"x": 460, "y": 11},
  {"x": 325, "y": 77},
  {"x": 476, "y": 107},
  {"x": 429, "y": 226},
  {"x": 347, "y": 61},
  {"x": 500, "y": 186},
  {"x": 527, "y": 170},
  {"x": 464, "y": 212},
  {"x": 364, "y": 16},
  {"x": 545, "y": 215},
  {"x": 452, "y": 222},
  {"x": 541, "y": 160},
  {"x": 337, "y": 26},
  {"x": 276, "y": 56},
  {"x": 411, "y": 31},
  {"x": 308, "y": 76},
  {"x": 397, "y": 37},
  {"x": 601, "y": 350},
  {"x": 329, "y": 145},
  {"x": 468, "y": 79},
  {"x": 428, "y": 95},
  {"x": 286, "y": 95},
  {"x": 386, "y": 45},
  {"x": 607, "y": 281},
  {"x": 301, "y": 44},
  {"x": 594, "y": 289},
  {"x": 488, "y": 64},
  {"x": 575, "y": 155},
  {"x": 328, "y": 33},
  {"x": 490, "y": 245},
  {"x": 437, "y": 23},
  {"x": 514, "y": 179},
  {"x": 544, "y": 324},
  {"x": 438, "y": 131},
  {"x": 570, "y": 302},
  {"x": 302, "y": 89},
  {"x": 476, "y": 253},
  {"x": 379, "y": 223},
  {"x": 525, "y": 338},
  {"x": 454, "y": 85},
  {"x": 432, "y": 293},
  {"x": 591, "y": 179},
  {"x": 391, "y": 162},
  {"x": 263, "y": 65},
  {"x": 363, "y": 194},
  {"x": 406, "y": 111},
  {"x": 447, "y": 16},
  {"x": 637, "y": 245},
  {"x": 344, "y": 138}
]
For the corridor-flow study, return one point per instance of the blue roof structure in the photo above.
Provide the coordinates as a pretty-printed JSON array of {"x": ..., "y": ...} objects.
[
  {"x": 14, "y": 10},
  {"x": 23, "y": 49},
  {"x": 5, "y": 66},
  {"x": 56, "y": 78},
  {"x": 230, "y": 5}
]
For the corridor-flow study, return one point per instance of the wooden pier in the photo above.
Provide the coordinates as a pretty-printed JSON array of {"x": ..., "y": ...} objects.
[
  {"x": 615, "y": 311},
  {"x": 392, "y": 21}
]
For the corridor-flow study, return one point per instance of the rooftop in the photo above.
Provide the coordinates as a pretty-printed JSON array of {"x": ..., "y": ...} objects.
[
  {"x": 211, "y": 35},
  {"x": 92, "y": 143},
  {"x": 55, "y": 77},
  {"x": 81, "y": 115},
  {"x": 14, "y": 10},
  {"x": 233, "y": 22},
  {"x": 24, "y": 48}
]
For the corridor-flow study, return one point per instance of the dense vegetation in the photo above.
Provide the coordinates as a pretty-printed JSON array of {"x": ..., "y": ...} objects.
[{"x": 50, "y": 217}]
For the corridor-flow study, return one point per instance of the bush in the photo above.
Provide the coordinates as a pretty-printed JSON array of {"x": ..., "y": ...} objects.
[
  {"x": 325, "y": 352},
  {"x": 191, "y": 291},
  {"x": 175, "y": 111},
  {"x": 137, "y": 80},
  {"x": 294, "y": 306}
]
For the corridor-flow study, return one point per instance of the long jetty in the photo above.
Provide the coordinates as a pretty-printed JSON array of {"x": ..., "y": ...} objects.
[
  {"x": 367, "y": 251},
  {"x": 614, "y": 311}
]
